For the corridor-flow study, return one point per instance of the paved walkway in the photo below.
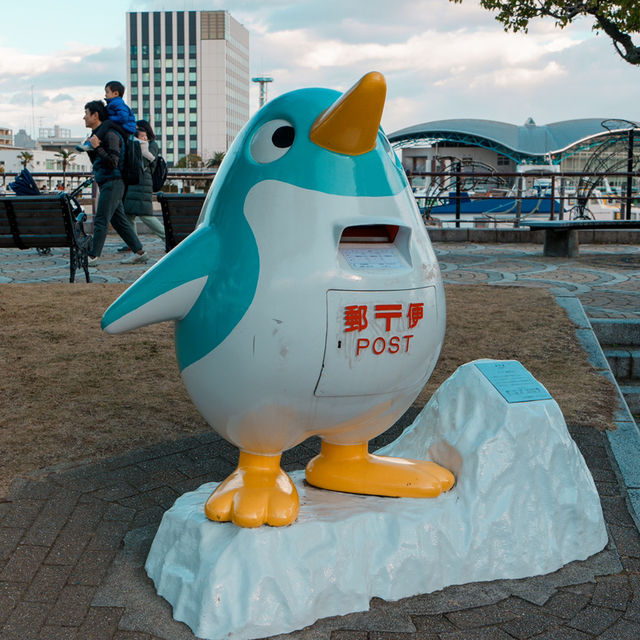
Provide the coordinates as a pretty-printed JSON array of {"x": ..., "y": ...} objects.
[{"x": 73, "y": 543}]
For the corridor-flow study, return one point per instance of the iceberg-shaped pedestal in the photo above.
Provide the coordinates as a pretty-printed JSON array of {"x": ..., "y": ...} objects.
[{"x": 524, "y": 504}]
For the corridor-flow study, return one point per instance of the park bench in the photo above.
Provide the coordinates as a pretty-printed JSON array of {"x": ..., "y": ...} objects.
[
  {"x": 561, "y": 237},
  {"x": 43, "y": 222},
  {"x": 180, "y": 212}
]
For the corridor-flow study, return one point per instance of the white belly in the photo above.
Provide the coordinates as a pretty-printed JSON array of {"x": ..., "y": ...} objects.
[{"x": 297, "y": 365}]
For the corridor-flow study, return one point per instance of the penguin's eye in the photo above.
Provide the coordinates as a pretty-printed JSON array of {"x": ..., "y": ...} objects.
[{"x": 271, "y": 141}]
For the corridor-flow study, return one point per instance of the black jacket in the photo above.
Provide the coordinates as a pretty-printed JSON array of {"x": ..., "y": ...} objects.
[{"x": 108, "y": 157}]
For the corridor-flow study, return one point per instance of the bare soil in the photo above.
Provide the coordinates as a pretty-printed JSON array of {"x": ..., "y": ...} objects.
[{"x": 71, "y": 393}]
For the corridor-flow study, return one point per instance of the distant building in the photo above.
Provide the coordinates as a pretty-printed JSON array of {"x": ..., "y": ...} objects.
[
  {"x": 188, "y": 75},
  {"x": 23, "y": 140},
  {"x": 567, "y": 145},
  {"x": 57, "y": 138},
  {"x": 6, "y": 137}
]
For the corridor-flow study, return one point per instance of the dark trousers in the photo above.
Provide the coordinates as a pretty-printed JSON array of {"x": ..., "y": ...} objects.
[{"x": 110, "y": 210}]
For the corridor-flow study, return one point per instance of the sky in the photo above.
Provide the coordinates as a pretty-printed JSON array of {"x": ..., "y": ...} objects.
[{"x": 441, "y": 60}]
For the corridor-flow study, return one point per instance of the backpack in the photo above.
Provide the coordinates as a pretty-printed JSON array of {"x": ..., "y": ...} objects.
[
  {"x": 159, "y": 173},
  {"x": 133, "y": 168}
]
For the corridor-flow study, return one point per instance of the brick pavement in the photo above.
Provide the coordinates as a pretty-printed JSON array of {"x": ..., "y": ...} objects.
[{"x": 73, "y": 540}]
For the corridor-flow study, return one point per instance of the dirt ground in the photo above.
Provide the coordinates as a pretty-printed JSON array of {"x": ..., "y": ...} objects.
[{"x": 70, "y": 392}]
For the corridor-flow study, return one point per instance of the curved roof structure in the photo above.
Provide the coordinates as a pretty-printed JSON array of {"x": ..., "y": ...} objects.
[{"x": 528, "y": 143}]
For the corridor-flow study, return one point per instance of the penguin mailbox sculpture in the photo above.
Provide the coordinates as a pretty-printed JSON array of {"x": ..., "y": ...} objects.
[{"x": 308, "y": 301}]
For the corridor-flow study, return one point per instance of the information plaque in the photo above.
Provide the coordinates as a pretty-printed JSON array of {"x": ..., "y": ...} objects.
[{"x": 513, "y": 381}]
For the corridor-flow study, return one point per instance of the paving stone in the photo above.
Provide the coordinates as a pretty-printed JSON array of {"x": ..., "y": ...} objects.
[
  {"x": 480, "y": 617},
  {"x": 9, "y": 538},
  {"x": 615, "y": 511},
  {"x": 22, "y": 513},
  {"x": 120, "y": 513},
  {"x": 594, "y": 619},
  {"x": 10, "y": 595},
  {"x": 563, "y": 634},
  {"x": 85, "y": 517},
  {"x": 23, "y": 564},
  {"x": 392, "y": 635},
  {"x": 164, "y": 497},
  {"x": 148, "y": 516},
  {"x": 627, "y": 540},
  {"x": 622, "y": 630},
  {"x": 72, "y": 606},
  {"x": 108, "y": 535},
  {"x": 58, "y": 633},
  {"x": 25, "y": 621},
  {"x": 115, "y": 492},
  {"x": 633, "y": 609},
  {"x": 490, "y": 633},
  {"x": 48, "y": 583},
  {"x": 612, "y": 592},
  {"x": 133, "y": 635},
  {"x": 349, "y": 635},
  {"x": 432, "y": 624},
  {"x": 92, "y": 567},
  {"x": 68, "y": 547},
  {"x": 100, "y": 623},
  {"x": 565, "y": 604}
]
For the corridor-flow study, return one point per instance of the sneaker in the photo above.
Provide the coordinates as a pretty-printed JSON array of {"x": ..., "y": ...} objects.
[
  {"x": 85, "y": 146},
  {"x": 136, "y": 258},
  {"x": 92, "y": 262},
  {"x": 124, "y": 248}
]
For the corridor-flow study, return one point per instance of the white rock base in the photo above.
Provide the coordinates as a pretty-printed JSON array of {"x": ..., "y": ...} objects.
[{"x": 524, "y": 504}]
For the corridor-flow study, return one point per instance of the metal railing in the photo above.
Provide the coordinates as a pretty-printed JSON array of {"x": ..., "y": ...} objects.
[{"x": 493, "y": 197}]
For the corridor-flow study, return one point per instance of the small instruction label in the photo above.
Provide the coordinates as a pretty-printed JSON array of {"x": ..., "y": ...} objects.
[
  {"x": 513, "y": 381},
  {"x": 372, "y": 258}
]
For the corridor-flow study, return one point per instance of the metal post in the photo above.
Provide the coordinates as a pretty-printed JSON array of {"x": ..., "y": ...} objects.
[
  {"x": 629, "y": 170},
  {"x": 516, "y": 224},
  {"x": 553, "y": 197},
  {"x": 458, "y": 168}
]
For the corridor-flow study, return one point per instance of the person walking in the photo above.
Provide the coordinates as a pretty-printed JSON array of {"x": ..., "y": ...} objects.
[
  {"x": 107, "y": 157},
  {"x": 138, "y": 200}
]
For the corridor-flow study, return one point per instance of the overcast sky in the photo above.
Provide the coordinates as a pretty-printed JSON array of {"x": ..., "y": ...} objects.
[{"x": 441, "y": 60}]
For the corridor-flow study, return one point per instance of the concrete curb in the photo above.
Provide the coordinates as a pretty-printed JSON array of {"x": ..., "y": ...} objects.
[{"x": 624, "y": 442}]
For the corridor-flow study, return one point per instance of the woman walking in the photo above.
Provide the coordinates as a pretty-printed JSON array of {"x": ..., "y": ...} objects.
[{"x": 138, "y": 201}]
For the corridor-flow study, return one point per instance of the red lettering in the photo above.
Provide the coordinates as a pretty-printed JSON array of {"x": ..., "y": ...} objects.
[
  {"x": 364, "y": 345},
  {"x": 394, "y": 344},
  {"x": 415, "y": 313},
  {"x": 388, "y": 311},
  {"x": 384, "y": 345},
  {"x": 355, "y": 317},
  {"x": 407, "y": 338}
]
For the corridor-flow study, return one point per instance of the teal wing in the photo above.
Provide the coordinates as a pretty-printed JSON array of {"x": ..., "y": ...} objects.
[{"x": 170, "y": 288}]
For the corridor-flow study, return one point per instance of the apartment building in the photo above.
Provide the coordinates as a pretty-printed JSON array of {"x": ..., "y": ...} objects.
[{"x": 188, "y": 75}]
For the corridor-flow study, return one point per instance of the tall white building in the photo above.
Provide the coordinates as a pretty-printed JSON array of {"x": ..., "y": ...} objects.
[{"x": 188, "y": 75}]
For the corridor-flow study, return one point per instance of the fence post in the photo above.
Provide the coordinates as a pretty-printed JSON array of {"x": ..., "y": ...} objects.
[{"x": 458, "y": 168}]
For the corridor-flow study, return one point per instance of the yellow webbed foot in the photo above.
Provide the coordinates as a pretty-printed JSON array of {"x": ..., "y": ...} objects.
[
  {"x": 258, "y": 492},
  {"x": 351, "y": 468}
]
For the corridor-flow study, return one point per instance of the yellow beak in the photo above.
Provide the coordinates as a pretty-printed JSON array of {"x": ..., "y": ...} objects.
[{"x": 350, "y": 125}]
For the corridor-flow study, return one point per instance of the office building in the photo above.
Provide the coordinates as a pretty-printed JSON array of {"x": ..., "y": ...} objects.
[{"x": 188, "y": 75}]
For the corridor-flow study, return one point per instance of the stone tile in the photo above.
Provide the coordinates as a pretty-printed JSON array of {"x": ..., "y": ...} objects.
[
  {"x": 565, "y": 604},
  {"x": 23, "y": 564},
  {"x": 432, "y": 624},
  {"x": 164, "y": 497},
  {"x": 25, "y": 621},
  {"x": 92, "y": 567},
  {"x": 392, "y": 635},
  {"x": 564, "y": 633},
  {"x": 115, "y": 492},
  {"x": 22, "y": 513},
  {"x": 480, "y": 616},
  {"x": 529, "y": 625},
  {"x": 48, "y": 583},
  {"x": 108, "y": 535},
  {"x": 68, "y": 547},
  {"x": 50, "y": 632},
  {"x": 490, "y": 633},
  {"x": 627, "y": 540},
  {"x": 633, "y": 610},
  {"x": 148, "y": 516},
  {"x": 612, "y": 592},
  {"x": 100, "y": 623},
  {"x": 594, "y": 619},
  {"x": 622, "y": 630},
  {"x": 85, "y": 517},
  {"x": 120, "y": 513},
  {"x": 9, "y": 538},
  {"x": 72, "y": 606},
  {"x": 615, "y": 511},
  {"x": 131, "y": 635},
  {"x": 58, "y": 633},
  {"x": 10, "y": 595}
]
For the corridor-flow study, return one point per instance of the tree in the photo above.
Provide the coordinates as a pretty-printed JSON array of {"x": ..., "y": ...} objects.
[
  {"x": 25, "y": 158},
  {"x": 619, "y": 20},
  {"x": 67, "y": 158},
  {"x": 216, "y": 160},
  {"x": 190, "y": 161}
]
